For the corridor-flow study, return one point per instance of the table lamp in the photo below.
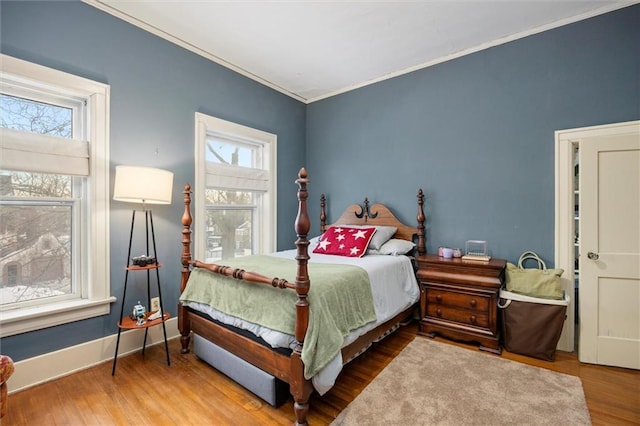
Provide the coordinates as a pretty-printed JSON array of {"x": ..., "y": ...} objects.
[{"x": 143, "y": 185}]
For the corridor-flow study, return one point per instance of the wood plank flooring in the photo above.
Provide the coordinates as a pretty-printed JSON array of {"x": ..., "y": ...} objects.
[{"x": 189, "y": 392}]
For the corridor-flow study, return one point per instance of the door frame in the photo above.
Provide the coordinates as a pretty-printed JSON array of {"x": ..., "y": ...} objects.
[{"x": 565, "y": 140}]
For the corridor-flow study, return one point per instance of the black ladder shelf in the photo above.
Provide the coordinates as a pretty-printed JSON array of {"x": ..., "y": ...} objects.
[{"x": 127, "y": 323}]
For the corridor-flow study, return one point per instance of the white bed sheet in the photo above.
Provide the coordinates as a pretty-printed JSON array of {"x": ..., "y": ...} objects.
[{"x": 394, "y": 288}]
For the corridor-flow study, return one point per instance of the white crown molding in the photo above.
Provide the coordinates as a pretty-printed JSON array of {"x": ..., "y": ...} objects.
[
  {"x": 483, "y": 46},
  {"x": 156, "y": 31},
  {"x": 186, "y": 45}
]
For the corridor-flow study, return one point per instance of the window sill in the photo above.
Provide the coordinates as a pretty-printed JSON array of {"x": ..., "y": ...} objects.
[{"x": 29, "y": 319}]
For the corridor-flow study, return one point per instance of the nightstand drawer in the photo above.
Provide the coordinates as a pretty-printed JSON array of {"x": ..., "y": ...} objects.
[
  {"x": 477, "y": 319},
  {"x": 461, "y": 300}
]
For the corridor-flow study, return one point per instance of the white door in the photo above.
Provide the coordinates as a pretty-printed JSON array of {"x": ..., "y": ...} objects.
[{"x": 609, "y": 260}]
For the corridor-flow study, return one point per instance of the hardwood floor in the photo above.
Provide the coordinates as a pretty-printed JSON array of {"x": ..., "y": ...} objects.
[{"x": 148, "y": 392}]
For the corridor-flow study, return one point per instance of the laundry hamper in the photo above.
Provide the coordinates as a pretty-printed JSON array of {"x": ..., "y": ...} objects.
[{"x": 532, "y": 326}]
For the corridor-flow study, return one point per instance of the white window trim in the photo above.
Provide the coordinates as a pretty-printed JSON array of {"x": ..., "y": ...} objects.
[
  {"x": 99, "y": 297},
  {"x": 207, "y": 124}
]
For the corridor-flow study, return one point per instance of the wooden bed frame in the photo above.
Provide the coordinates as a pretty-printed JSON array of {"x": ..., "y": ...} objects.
[{"x": 290, "y": 369}]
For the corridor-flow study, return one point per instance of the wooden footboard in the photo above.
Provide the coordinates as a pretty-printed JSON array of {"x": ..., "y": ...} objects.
[{"x": 288, "y": 368}]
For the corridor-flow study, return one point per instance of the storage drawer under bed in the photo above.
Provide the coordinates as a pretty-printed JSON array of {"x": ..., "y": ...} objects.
[{"x": 271, "y": 389}]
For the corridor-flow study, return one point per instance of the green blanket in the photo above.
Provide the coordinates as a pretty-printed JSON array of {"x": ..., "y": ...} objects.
[{"x": 340, "y": 301}]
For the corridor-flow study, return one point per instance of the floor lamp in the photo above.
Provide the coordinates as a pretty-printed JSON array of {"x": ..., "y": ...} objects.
[{"x": 143, "y": 185}]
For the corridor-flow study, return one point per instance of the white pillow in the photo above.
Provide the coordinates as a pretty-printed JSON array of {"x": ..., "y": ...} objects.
[
  {"x": 396, "y": 247},
  {"x": 381, "y": 236}
]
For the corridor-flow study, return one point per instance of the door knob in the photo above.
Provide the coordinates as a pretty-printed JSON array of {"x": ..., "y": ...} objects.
[{"x": 593, "y": 256}]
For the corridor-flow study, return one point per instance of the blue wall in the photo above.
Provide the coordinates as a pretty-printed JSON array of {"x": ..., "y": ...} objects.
[
  {"x": 477, "y": 133},
  {"x": 156, "y": 88}
]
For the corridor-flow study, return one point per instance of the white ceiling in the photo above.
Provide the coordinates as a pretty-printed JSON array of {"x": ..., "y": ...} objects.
[{"x": 311, "y": 50}]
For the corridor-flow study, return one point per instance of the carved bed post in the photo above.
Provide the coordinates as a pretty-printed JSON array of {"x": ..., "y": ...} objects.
[
  {"x": 323, "y": 213},
  {"x": 422, "y": 249},
  {"x": 183, "y": 323},
  {"x": 300, "y": 387}
]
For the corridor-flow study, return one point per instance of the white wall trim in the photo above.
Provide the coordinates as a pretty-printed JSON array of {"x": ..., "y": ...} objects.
[
  {"x": 31, "y": 318},
  {"x": 478, "y": 48},
  {"x": 208, "y": 55},
  {"x": 188, "y": 46},
  {"x": 54, "y": 365},
  {"x": 564, "y": 231}
]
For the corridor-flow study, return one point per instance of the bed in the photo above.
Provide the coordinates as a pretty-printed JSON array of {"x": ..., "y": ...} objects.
[{"x": 294, "y": 339}]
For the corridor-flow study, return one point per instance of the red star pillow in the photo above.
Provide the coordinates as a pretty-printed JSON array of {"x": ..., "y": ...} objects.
[{"x": 345, "y": 241}]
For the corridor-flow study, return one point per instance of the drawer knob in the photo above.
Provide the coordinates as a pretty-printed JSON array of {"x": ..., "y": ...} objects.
[
  {"x": 473, "y": 319},
  {"x": 438, "y": 298},
  {"x": 473, "y": 303},
  {"x": 438, "y": 312}
]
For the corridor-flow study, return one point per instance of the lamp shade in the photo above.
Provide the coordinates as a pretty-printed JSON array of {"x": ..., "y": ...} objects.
[{"x": 143, "y": 185}]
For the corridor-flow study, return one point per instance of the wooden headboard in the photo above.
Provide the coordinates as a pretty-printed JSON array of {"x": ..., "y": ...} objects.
[{"x": 381, "y": 215}]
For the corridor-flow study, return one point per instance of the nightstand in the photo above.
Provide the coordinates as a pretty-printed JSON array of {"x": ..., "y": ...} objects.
[{"x": 459, "y": 299}]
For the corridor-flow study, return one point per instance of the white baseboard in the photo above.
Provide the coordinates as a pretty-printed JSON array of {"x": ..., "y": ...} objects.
[{"x": 53, "y": 365}]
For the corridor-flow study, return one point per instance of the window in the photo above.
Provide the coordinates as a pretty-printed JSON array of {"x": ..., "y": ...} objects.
[
  {"x": 234, "y": 190},
  {"x": 12, "y": 271},
  {"x": 54, "y": 187}
]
